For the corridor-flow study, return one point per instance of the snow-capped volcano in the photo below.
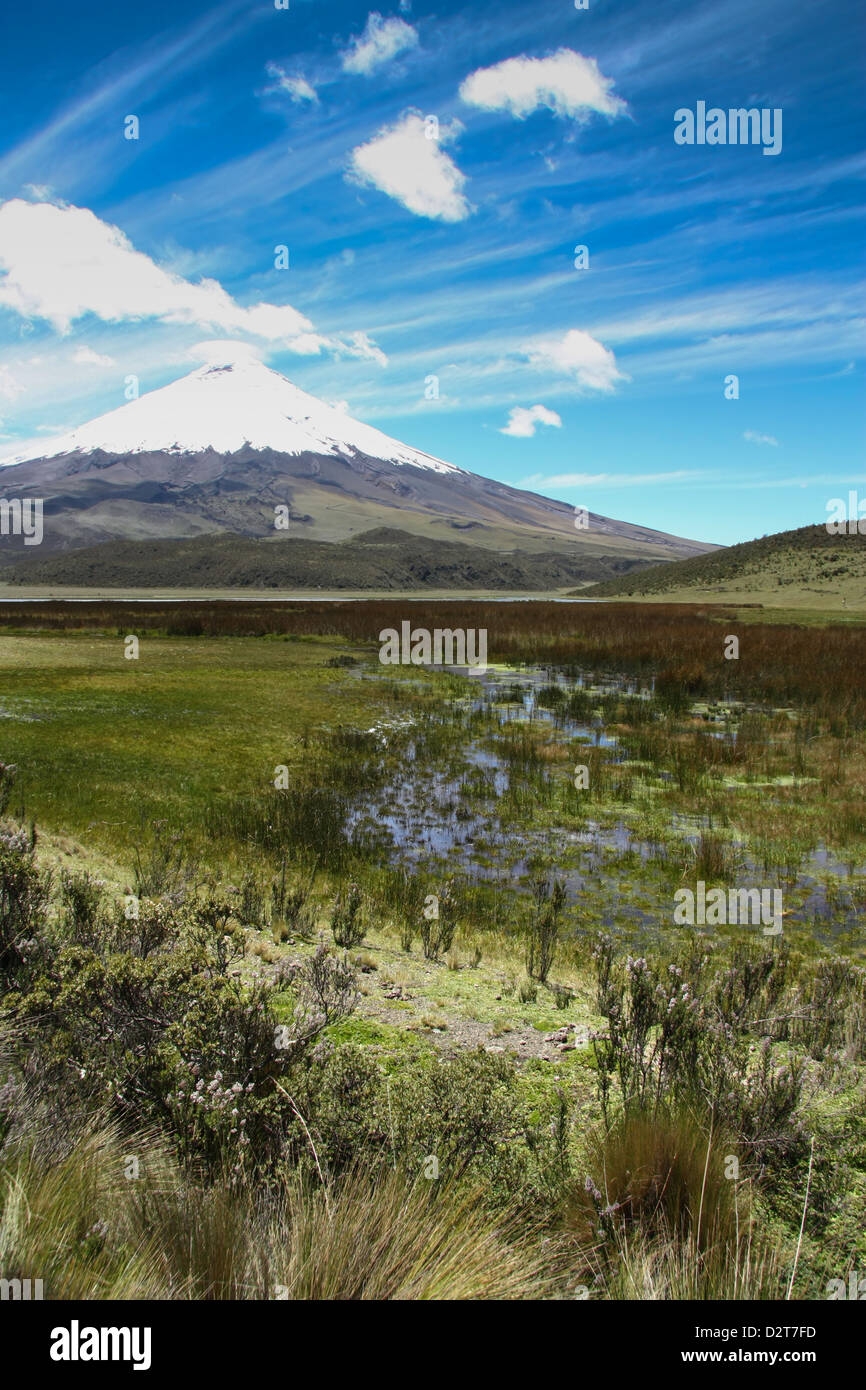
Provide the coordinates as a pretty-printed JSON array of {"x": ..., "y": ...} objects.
[
  {"x": 225, "y": 408},
  {"x": 229, "y": 448}
]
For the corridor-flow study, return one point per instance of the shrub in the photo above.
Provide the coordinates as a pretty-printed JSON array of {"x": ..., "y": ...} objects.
[
  {"x": 346, "y": 923},
  {"x": 527, "y": 990},
  {"x": 464, "y": 1110},
  {"x": 544, "y": 926},
  {"x": 562, "y": 995},
  {"x": 7, "y": 785},
  {"x": 156, "y": 1024},
  {"x": 82, "y": 902},
  {"x": 342, "y": 1095},
  {"x": 252, "y": 909},
  {"x": 292, "y": 909},
  {"x": 439, "y": 923},
  {"x": 162, "y": 866},
  {"x": 678, "y": 1036},
  {"x": 24, "y": 892}
]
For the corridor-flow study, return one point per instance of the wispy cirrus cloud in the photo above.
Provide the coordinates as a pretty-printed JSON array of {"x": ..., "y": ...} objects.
[
  {"x": 414, "y": 169},
  {"x": 86, "y": 357},
  {"x": 752, "y": 437},
  {"x": 381, "y": 41},
  {"x": 607, "y": 480},
  {"x": 114, "y": 82},
  {"x": 297, "y": 86}
]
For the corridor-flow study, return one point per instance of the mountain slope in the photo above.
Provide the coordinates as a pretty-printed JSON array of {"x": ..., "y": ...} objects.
[
  {"x": 379, "y": 560},
  {"x": 806, "y": 567},
  {"x": 221, "y": 449}
]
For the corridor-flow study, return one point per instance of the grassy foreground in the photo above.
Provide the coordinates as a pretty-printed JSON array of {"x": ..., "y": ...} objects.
[{"x": 238, "y": 1059}]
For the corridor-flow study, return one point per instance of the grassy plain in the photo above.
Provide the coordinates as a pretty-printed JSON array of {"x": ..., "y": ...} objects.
[{"x": 156, "y": 776}]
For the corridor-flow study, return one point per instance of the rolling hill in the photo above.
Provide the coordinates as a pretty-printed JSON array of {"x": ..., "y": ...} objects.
[{"x": 807, "y": 567}]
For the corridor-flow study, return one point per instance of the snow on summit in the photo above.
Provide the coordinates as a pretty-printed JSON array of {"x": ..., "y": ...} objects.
[{"x": 226, "y": 407}]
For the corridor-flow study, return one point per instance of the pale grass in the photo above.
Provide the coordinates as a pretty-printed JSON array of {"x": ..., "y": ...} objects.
[{"x": 89, "y": 1232}]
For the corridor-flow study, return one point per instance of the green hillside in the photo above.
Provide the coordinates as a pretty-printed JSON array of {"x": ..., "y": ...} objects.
[{"x": 802, "y": 568}]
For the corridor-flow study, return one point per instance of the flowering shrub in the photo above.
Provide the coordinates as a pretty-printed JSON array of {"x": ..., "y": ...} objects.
[
  {"x": 153, "y": 1023},
  {"x": 680, "y": 1034}
]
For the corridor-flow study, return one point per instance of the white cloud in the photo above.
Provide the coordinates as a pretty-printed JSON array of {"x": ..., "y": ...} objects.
[
  {"x": 342, "y": 345},
  {"x": 360, "y": 345},
  {"x": 10, "y": 387},
  {"x": 752, "y": 438},
  {"x": 298, "y": 88},
  {"x": 522, "y": 422},
  {"x": 415, "y": 171},
  {"x": 62, "y": 263},
  {"x": 566, "y": 83},
  {"x": 578, "y": 355},
  {"x": 381, "y": 41},
  {"x": 86, "y": 357},
  {"x": 220, "y": 351},
  {"x": 308, "y": 344}
]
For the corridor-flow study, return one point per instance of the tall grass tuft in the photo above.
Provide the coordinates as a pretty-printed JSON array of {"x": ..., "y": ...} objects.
[
  {"x": 662, "y": 1215},
  {"x": 663, "y": 1173},
  {"x": 90, "y": 1229}
]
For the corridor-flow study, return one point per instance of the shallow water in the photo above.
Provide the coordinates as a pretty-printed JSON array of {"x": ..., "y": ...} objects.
[{"x": 424, "y": 816}]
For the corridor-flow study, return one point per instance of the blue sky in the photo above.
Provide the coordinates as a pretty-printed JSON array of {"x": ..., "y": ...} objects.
[{"x": 453, "y": 257}]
